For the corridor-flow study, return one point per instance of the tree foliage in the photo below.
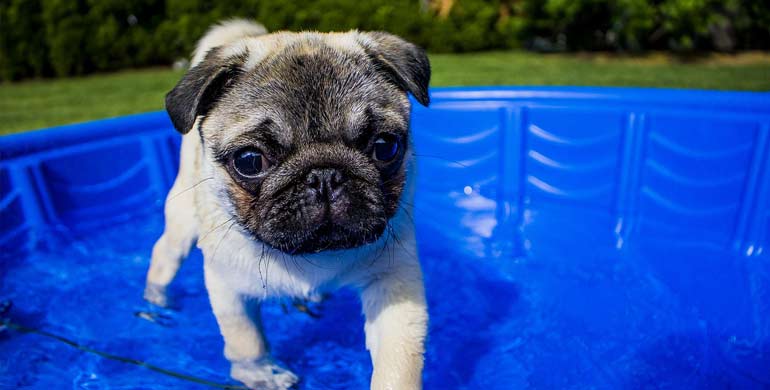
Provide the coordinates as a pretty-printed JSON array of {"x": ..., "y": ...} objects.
[{"x": 72, "y": 37}]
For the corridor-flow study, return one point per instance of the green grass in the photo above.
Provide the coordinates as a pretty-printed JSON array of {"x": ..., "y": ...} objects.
[
  {"x": 749, "y": 71},
  {"x": 43, "y": 103}
]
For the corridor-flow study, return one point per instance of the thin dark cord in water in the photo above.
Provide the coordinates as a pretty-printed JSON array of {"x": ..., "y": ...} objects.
[{"x": 25, "y": 329}]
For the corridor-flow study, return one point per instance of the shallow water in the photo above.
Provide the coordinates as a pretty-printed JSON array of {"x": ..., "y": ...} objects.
[{"x": 535, "y": 309}]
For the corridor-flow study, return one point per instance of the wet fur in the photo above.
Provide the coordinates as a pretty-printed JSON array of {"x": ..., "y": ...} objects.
[{"x": 307, "y": 100}]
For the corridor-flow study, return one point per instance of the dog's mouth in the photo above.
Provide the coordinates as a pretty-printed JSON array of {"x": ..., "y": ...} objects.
[
  {"x": 326, "y": 237},
  {"x": 321, "y": 207}
]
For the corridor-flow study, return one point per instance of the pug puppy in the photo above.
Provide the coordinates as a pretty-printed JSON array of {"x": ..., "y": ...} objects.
[{"x": 297, "y": 178}]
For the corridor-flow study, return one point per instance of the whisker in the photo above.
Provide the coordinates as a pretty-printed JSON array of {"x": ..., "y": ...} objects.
[
  {"x": 398, "y": 241},
  {"x": 259, "y": 269},
  {"x": 296, "y": 264},
  {"x": 283, "y": 259},
  {"x": 267, "y": 272},
  {"x": 311, "y": 262},
  {"x": 215, "y": 228},
  {"x": 391, "y": 257},
  {"x": 188, "y": 189},
  {"x": 407, "y": 212},
  {"x": 414, "y": 209},
  {"x": 222, "y": 239},
  {"x": 384, "y": 246}
]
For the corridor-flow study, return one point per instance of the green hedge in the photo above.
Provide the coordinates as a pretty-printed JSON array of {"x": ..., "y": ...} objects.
[{"x": 73, "y": 37}]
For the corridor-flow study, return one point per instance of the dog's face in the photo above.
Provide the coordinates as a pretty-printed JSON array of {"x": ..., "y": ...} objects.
[{"x": 309, "y": 133}]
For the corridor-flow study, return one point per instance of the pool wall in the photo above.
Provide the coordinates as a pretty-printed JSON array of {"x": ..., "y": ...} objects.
[
  {"x": 570, "y": 237},
  {"x": 683, "y": 165}
]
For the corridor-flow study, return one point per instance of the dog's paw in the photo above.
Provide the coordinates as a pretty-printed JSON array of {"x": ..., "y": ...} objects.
[
  {"x": 156, "y": 295},
  {"x": 157, "y": 316},
  {"x": 263, "y": 374}
]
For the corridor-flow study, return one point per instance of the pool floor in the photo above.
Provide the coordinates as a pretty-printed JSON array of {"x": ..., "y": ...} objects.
[{"x": 568, "y": 312}]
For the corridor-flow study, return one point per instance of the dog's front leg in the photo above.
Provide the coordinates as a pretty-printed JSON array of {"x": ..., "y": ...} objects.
[
  {"x": 240, "y": 324},
  {"x": 396, "y": 324},
  {"x": 181, "y": 228}
]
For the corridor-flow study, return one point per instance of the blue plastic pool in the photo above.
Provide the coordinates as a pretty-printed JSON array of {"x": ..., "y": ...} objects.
[{"x": 571, "y": 238}]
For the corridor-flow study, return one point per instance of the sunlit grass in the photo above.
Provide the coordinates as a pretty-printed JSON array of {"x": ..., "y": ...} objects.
[
  {"x": 749, "y": 71},
  {"x": 43, "y": 103}
]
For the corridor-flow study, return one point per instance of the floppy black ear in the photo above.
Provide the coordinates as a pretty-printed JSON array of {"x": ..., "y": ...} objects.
[
  {"x": 199, "y": 89},
  {"x": 405, "y": 63}
]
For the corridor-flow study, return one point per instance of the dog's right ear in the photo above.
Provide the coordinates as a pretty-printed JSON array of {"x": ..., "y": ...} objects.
[{"x": 200, "y": 88}]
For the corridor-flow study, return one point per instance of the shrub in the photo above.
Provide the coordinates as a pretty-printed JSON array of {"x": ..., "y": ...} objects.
[
  {"x": 23, "y": 49},
  {"x": 71, "y": 37}
]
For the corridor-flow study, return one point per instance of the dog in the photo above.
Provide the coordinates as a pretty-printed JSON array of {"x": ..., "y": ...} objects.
[{"x": 296, "y": 178}]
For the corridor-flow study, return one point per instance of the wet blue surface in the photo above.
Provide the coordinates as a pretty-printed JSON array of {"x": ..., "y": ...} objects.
[
  {"x": 570, "y": 238},
  {"x": 616, "y": 319}
]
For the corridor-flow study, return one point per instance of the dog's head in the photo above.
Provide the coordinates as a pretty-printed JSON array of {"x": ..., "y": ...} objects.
[{"x": 308, "y": 133}]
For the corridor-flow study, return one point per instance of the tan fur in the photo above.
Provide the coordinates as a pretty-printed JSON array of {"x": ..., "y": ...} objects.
[{"x": 239, "y": 271}]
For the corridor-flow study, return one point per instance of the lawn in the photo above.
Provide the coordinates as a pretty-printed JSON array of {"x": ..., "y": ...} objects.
[{"x": 41, "y": 103}]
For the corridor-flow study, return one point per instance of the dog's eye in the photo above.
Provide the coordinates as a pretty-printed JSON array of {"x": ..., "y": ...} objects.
[
  {"x": 385, "y": 147},
  {"x": 249, "y": 162}
]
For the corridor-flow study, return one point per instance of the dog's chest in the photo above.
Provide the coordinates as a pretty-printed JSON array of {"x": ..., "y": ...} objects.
[{"x": 253, "y": 270}]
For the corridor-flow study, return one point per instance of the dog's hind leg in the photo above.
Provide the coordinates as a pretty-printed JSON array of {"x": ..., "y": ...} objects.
[{"x": 181, "y": 228}]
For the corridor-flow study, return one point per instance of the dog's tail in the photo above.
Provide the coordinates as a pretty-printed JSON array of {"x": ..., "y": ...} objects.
[{"x": 224, "y": 33}]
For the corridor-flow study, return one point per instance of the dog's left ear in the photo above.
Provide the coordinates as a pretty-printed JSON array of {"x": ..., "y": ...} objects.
[
  {"x": 200, "y": 88},
  {"x": 405, "y": 63}
]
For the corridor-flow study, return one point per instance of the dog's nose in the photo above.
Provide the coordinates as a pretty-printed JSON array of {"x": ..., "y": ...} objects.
[{"x": 326, "y": 182}]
